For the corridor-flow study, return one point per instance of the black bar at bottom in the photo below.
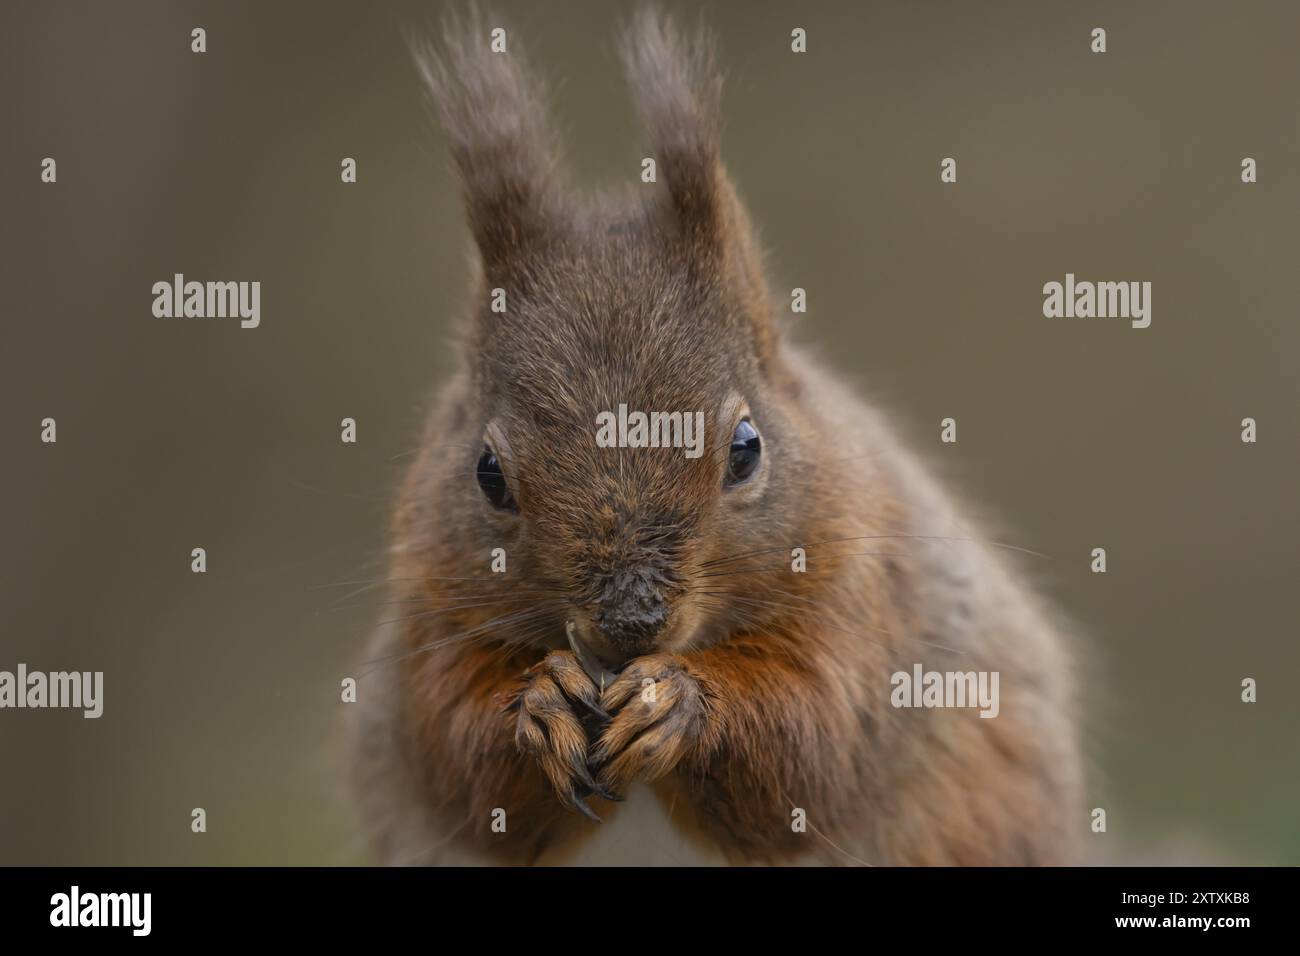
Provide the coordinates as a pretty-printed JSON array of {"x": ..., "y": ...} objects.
[{"x": 569, "y": 906}]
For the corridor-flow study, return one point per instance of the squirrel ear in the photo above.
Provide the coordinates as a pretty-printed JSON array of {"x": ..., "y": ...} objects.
[
  {"x": 494, "y": 117},
  {"x": 678, "y": 92}
]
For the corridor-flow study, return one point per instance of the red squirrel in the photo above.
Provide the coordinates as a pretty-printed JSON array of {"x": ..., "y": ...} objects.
[{"x": 638, "y": 654}]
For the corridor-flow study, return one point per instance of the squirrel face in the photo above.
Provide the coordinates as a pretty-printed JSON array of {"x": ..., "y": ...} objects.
[
  {"x": 653, "y": 303},
  {"x": 623, "y": 526},
  {"x": 622, "y": 432}
]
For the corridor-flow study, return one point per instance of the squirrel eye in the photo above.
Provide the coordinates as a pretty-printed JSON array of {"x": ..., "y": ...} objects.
[
  {"x": 746, "y": 449},
  {"x": 493, "y": 481}
]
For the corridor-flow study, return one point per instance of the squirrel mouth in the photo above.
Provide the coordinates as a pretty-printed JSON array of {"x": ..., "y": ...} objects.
[{"x": 601, "y": 675}]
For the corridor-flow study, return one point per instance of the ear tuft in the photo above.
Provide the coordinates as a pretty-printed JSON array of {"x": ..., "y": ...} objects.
[
  {"x": 493, "y": 113},
  {"x": 678, "y": 91}
]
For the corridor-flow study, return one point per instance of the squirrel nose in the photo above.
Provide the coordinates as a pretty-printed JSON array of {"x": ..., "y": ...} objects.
[
  {"x": 633, "y": 635},
  {"x": 631, "y": 611}
]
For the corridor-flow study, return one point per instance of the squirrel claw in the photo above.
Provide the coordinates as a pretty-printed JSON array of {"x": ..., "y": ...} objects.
[
  {"x": 600, "y": 675},
  {"x": 579, "y": 804},
  {"x": 595, "y": 708}
]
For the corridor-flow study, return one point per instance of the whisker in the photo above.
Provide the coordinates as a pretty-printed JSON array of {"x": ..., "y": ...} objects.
[
  {"x": 425, "y": 615},
  {"x": 871, "y": 537},
  {"x": 824, "y": 557},
  {"x": 496, "y": 623}
]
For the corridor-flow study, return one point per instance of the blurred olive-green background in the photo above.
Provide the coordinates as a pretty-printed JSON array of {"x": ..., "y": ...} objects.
[{"x": 222, "y": 689}]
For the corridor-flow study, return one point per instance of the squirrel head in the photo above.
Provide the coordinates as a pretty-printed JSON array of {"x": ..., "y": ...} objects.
[{"x": 594, "y": 313}]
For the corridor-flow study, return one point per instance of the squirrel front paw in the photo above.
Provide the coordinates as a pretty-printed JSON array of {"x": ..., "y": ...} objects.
[
  {"x": 660, "y": 715},
  {"x": 548, "y": 727}
]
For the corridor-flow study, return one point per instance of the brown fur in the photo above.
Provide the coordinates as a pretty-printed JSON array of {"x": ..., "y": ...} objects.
[{"x": 772, "y": 687}]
